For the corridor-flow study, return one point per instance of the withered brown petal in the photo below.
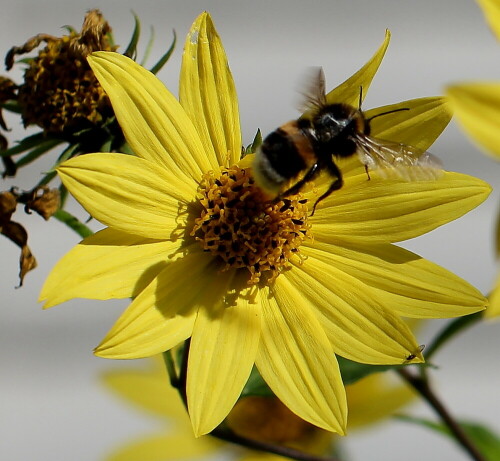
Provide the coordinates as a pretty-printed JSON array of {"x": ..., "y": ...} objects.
[
  {"x": 27, "y": 262},
  {"x": 45, "y": 201},
  {"x": 17, "y": 233},
  {"x": 8, "y": 204},
  {"x": 30, "y": 45}
]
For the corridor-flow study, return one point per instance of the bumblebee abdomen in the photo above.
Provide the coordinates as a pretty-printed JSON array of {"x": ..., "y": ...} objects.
[{"x": 283, "y": 155}]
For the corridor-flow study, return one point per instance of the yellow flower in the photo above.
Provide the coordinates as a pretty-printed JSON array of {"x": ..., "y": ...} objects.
[
  {"x": 149, "y": 391},
  {"x": 491, "y": 10},
  {"x": 477, "y": 108},
  {"x": 494, "y": 298},
  {"x": 260, "y": 418},
  {"x": 185, "y": 223}
]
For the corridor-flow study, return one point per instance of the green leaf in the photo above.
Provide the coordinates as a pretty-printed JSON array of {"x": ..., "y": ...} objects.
[
  {"x": 484, "y": 439},
  {"x": 131, "y": 50},
  {"x": 12, "y": 106},
  {"x": 157, "y": 67},
  {"x": 256, "y": 386},
  {"x": 354, "y": 371},
  {"x": 73, "y": 223},
  {"x": 47, "y": 178},
  {"x": 67, "y": 153},
  {"x": 27, "y": 143},
  {"x": 37, "y": 152},
  {"x": 63, "y": 195}
]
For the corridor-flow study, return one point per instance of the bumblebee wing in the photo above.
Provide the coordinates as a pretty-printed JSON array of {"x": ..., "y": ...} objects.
[
  {"x": 397, "y": 160},
  {"x": 312, "y": 93}
]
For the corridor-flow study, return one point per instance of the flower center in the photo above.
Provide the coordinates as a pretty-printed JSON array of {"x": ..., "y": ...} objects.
[{"x": 241, "y": 227}]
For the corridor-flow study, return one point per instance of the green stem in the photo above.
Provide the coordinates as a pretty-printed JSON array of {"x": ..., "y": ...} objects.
[
  {"x": 229, "y": 436},
  {"x": 421, "y": 385}
]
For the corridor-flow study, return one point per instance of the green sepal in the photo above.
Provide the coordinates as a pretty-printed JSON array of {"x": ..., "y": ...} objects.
[
  {"x": 73, "y": 223},
  {"x": 483, "y": 438},
  {"x": 252, "y": 148},
  {"x": 163, "y": 60},
  {"x": 131, "y": 50},
  {"x": 126, "y": 149},
  {"x": 69, "y": 29},
  {"x": 256, "y": 386},
  {"x": 149, "y": 46}
]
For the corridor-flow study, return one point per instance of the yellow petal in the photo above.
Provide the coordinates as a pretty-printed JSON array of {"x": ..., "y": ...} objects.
[
  {"x": 221, "y": 357},
  {"x": 386, "y": 210},
  {"x": 355, "y": 321},
  {"x": 494, "y": 307},
  {"x": 477, "y": 108},
  {"x": 163, "y": 447},
  {"x": 491, "y": 10},
  {"x": 297, "y": 361},
  {"x": 407, "y": 284},
  {"x": 419, "y": 126},
  {"x": 148, "y": 390},
  {"x": 164, "y": 313},
  {"x": 208, "y": 94},
  {"x": 348, "y": 92},
  {"x": 108, "y": 264},
  {"x": 374, "y": 398},
  {"x": 129, "y": 194},
  {"x": 155, "y": 125}
]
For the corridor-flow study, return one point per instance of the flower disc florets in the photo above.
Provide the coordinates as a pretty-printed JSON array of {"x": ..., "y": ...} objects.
[{"x": 240, "y": 226}]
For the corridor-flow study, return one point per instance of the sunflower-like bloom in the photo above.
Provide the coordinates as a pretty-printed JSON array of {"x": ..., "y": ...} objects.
[
  {"x": 477, "y": 108},
  {"x": 265, "y": 419},
  {"x": 191, "y": 238}
]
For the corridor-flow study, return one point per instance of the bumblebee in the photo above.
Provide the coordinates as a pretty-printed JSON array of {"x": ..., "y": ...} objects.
[{"x": 300, "y": 149}]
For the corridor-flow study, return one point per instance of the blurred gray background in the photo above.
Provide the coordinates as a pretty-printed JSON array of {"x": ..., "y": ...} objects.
[{"x": 52, "y": 406}]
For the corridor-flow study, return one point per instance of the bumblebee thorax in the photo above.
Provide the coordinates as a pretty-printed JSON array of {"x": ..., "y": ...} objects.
[{"x": 336, "y": 121}]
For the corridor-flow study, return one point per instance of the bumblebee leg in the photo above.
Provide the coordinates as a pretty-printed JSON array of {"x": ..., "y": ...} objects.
[
  {"x": 335, "y": 185},
  {"x": 310, "y": 175}
]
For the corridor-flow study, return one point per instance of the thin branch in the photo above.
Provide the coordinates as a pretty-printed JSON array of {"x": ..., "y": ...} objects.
[
  {"x": 229, "y": 436},
  {"x": 421, "y": 385}
]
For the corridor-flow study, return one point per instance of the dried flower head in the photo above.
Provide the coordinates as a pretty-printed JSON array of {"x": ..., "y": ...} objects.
[{"x": 60, "y": 97}]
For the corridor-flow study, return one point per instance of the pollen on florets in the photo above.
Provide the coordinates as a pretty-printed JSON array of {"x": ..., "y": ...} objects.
[{"x": 240, "y": 226}]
